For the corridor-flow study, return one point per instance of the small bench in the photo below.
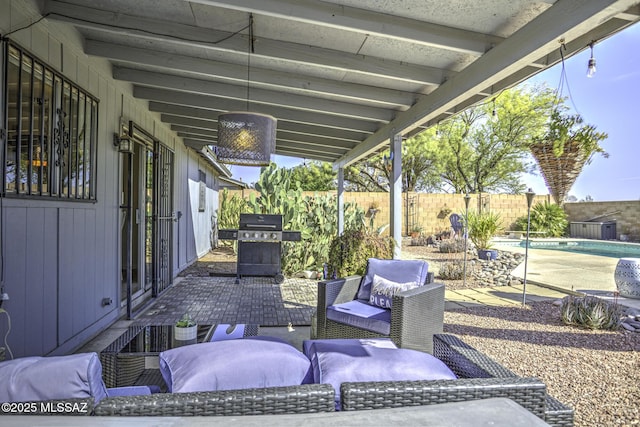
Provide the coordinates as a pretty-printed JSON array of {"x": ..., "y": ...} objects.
[{"x": 519, "y": 234}]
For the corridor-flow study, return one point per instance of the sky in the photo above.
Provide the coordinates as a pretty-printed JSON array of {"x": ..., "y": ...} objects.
[{"x": 609, "y": 100}]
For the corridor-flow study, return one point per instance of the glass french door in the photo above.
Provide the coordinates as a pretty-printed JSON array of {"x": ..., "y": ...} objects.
[{"x": 147, "y": 223}]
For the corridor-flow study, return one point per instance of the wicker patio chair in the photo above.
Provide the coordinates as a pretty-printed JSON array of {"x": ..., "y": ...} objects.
[
  {"x": 301, "y": 399},
  {"x": 479, "y": 377},
  {"x": 416, "y": 314}
]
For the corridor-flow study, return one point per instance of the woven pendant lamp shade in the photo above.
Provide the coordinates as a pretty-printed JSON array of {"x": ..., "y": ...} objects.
[{"x": 246, "y": 139}]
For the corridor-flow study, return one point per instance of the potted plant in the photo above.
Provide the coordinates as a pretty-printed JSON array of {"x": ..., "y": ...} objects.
[
  {"x": 482, "y": 227},
  {"x": 185, "y": 329},
  {"x": 416, "y": 230}
]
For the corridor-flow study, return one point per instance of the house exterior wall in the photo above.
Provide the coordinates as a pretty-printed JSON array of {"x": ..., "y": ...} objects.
[
  {"x": 61, "y": 258},
  {"x": 199, "y": 241}
]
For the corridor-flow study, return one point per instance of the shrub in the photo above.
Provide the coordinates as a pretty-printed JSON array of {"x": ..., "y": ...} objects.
[
  {"x": 349, "y": 252},
  {"x": 590, "y": 312},
  {"x": 451, "y": 246},
  {"x": 321, "y": 223},
  {"x": 453, "y": 270},
  {"x": 547, "y": 218}
]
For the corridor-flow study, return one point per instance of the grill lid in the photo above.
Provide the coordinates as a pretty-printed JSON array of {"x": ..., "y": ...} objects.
[{"x": 260, "y": 222}]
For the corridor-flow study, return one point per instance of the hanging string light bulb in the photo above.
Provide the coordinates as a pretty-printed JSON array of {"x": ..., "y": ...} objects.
[{"x": 591, "y": 66}]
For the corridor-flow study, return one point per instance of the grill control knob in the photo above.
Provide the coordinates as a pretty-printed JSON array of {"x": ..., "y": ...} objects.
[
  {"x": 255, "y": 235},
  {"x": 274, "y": 236},
  {"x": 245, "y": 235},
  {"x": 264, "y": 235}
]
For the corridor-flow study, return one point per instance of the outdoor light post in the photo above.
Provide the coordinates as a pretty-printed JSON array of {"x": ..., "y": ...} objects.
[
  {"x": 464, "y": 235},
  {"x": 530, "y": 194}
]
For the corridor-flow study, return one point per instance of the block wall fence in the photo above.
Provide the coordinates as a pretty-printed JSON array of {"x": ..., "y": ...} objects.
[{"x": 431, "y": 211}]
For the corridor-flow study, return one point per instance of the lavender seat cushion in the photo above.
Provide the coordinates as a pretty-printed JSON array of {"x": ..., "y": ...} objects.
[
  {"x": 49, "y": 378},
  {"x": 337, "y": 361},
  {"x": 361, "y": 315},
  {"x": 396, "y": 270},
  {"x": 375, "y": 342},
  {"x": 234, "y": 364}
]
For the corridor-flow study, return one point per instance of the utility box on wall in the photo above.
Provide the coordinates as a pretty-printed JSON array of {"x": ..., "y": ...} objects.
[{"x": 593, "y": 230}]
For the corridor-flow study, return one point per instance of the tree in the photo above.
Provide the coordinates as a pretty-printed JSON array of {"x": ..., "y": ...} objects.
[
  {"x": 487, "y": 145},
  {"x": 564, "y": 150},
  {"x": 315, "y": 176},
  {"x": 421, "y": 167}
]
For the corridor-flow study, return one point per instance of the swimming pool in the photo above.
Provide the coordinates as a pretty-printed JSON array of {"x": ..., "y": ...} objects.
[{"x": 588, "y": 247}]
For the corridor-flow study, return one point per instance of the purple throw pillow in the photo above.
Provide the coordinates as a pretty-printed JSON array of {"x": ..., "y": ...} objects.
[{"x": 234, "y": 364}]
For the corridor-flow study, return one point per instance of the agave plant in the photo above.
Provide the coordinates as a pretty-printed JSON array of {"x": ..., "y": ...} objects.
[{"x": 590, "y": 312}]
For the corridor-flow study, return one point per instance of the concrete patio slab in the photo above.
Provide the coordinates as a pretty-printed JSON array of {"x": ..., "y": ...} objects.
[{"x": 571, "y": 273}]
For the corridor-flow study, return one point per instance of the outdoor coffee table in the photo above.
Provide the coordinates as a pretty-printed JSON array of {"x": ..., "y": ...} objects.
[{"x": 124, "y": 360}]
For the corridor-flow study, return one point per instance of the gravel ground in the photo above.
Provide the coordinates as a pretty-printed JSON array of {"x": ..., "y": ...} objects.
[{"x": 595, "y": 372}]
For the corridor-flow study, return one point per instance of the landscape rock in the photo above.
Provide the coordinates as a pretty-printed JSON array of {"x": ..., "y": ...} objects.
[{"x": 498, "y": 272}]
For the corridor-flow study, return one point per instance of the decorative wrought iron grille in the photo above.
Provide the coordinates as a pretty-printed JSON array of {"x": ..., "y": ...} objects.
[{"x": 50, "y": 126}]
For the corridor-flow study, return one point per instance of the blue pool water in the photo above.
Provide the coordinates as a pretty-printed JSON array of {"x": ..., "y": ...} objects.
[{"x": 596, "y": 247}]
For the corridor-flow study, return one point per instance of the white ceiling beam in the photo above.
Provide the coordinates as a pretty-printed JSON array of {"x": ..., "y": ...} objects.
[
  {"x": 320, "y": 156},
  {"x": 283, "y": 114},
  {"x": 283, "y": 139},
  {"x": 181, "y": 34},
  {"x": 316, "y": 141},
  {"x": 348, "y": 139},
  {"x": 257, "y": 95},
  {"x": 566, "y": 19},
  {"x": 197, "y": 126},
  {"x": 206, "y": 140},
  {"x": 191, "y": 131},
  {"x": 198, "y": 135},
  {"x": 190, "y": 122},
  {"x": 350, "y": 92},
  {"x": 307, "y": 149},
  {"x": 366, "y": 22},
  {"x": 195, "y": 143}
]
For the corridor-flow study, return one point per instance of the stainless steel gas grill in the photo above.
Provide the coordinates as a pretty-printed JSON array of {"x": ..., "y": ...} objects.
[{"x": 260, "y": 240}]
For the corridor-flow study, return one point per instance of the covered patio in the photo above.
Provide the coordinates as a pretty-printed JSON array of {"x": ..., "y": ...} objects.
[{"x": 344, "y": 79}]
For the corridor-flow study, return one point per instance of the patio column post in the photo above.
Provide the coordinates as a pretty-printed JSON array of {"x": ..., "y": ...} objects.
[
  {"x": 340, "y": 201},
  {"x": 395, "y": 195}
]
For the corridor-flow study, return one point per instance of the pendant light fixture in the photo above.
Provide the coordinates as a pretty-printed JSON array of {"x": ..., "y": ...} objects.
[
  {"x": 246, "y": 138},
  {"x": 591, "y": 66}
]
